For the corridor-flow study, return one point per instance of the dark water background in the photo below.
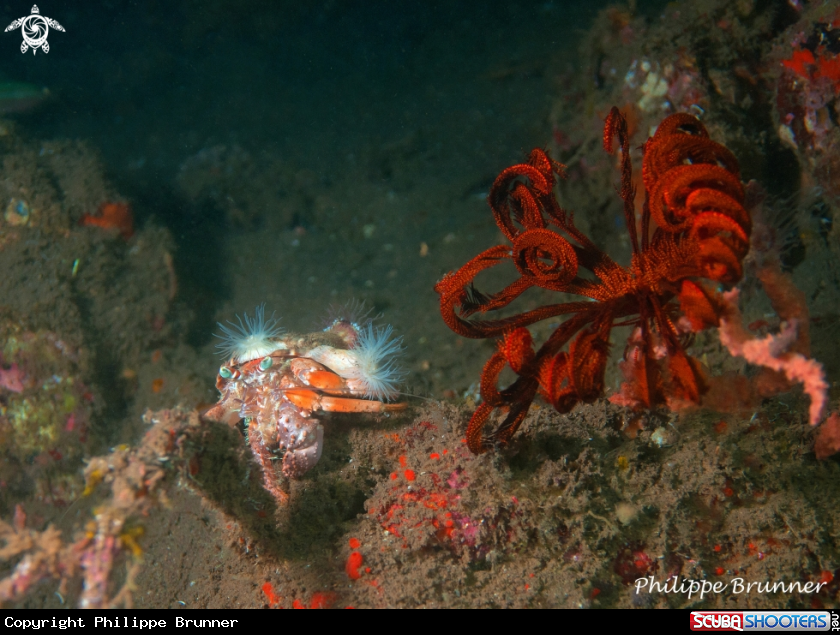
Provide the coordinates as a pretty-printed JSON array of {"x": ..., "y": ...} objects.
[
  {"x": 151, "y": 83},
  {"x": 313, "y": 80},
  {"x": 316, "y": 84}
]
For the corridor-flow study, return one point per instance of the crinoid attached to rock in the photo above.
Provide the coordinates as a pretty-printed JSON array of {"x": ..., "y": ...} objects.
[{"x": 693, "y": 229}]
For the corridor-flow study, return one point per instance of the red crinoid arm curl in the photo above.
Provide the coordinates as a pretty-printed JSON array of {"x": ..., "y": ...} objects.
[
  {"x": 686, "y": 174},
  {"x": 687, "y": 379},
  {"x": 502, "y": 325},
  {"x": 669, "y": 200},
  {"x": 518, "y": 349},
  {"x": 588, "y": 359},
  {"x": 526, "y": 209},
  {"x": 532, "y": 247},
  {"x": 490, "y": 378},
  {"x": 517, "y": 397},
  {"x": 527, "y": 390},
  {"x": 616, "y": 126},
  {"x": 545, "y": 258},
  {"x": 453, "y": 291},
  {"x": 531, "y": 206},
  {"x": 696, "y": 196},
  {"x": 475, "y": 441},
  {"x": 555, "y": 385},
  {"x": 521, "y": 393}
]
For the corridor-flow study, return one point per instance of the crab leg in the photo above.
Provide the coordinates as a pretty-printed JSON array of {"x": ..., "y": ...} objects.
[
  {"x": 271, "y": 482},
  {"x": 313, "y": 400}
]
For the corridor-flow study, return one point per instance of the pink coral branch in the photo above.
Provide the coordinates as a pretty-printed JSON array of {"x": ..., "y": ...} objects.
[
  {"x": 827, "y": 442},
  {"x": 772, "y": 352}
]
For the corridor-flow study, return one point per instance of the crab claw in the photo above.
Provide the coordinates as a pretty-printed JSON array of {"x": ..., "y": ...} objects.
[
  {"x": 222, "y": 413},
  {"x": 303, "y": 398},
  {"x": 300, "y": 460},
  {"x": 312, "y": 400},
  {"x": 316, "y": 375}
]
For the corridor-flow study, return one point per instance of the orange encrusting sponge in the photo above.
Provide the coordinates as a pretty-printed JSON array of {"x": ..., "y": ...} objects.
[{"x": 112, "y": 216}]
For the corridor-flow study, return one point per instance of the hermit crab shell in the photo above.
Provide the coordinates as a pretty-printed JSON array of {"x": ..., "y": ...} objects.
[{"x": 342, "y": 362}]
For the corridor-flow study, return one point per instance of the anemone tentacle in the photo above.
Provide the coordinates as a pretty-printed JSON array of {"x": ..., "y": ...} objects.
[
  {"x": 251, "y": 338},
  {"x": 377, "y": 368}
]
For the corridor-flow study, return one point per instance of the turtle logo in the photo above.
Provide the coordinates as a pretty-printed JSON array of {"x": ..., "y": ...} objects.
[{"x": 35, "y": 29}]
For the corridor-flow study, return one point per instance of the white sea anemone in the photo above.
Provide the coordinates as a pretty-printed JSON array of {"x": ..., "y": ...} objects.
[
  {"x": 376, "y": 367},
  {"x": 250, "y": 339}
]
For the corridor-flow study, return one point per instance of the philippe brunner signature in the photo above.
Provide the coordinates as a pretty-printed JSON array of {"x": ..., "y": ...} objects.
[{"x": 736, "y": 586}]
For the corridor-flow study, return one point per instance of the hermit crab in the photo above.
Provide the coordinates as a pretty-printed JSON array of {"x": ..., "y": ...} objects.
[{"x": 280, "y": 384}]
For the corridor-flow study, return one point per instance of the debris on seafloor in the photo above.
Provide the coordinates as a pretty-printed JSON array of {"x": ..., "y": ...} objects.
[
  {"x": 45, "y": 411},
  {"x": 138, "y": 479}
]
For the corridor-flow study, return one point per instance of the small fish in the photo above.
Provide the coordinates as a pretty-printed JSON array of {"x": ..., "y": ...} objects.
[{"x": 20, "y": 96}]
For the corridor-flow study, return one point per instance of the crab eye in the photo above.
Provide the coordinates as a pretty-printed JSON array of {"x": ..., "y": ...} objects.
[
  {"x": 265, "y": 364},
  {"x": 224, "y": 372}
]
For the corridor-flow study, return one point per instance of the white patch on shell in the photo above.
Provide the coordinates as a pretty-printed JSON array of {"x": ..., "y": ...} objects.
[{"x": 340, "y": 361}]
